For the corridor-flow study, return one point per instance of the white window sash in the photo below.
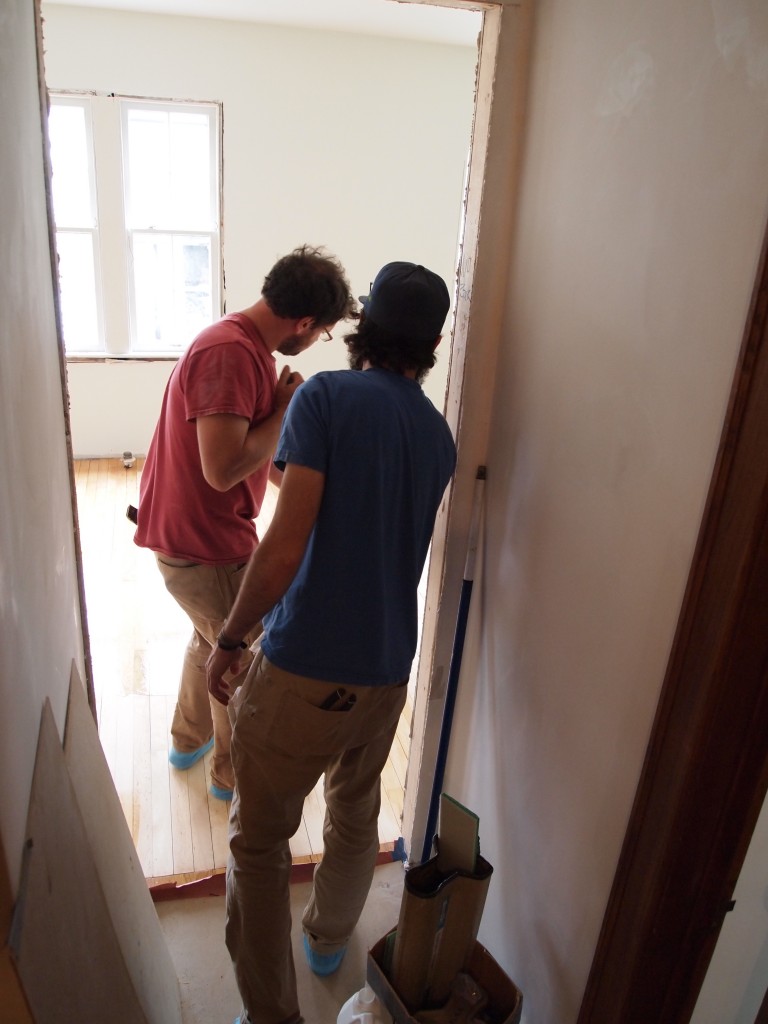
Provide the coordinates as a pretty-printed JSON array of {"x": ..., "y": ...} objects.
[{"x": 114, "y": 234}]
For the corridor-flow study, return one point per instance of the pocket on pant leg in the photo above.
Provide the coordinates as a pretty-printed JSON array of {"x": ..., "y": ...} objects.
[
  {"x": 291, "y": 725},
  {"x": 243, "y": 691}
]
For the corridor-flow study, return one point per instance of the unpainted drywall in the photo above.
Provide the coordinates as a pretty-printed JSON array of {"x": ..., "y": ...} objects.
[
  {"x": 84, "y": 977},
  {"x": 67, "y": 937},
  {"x": 39, "y": 606},
  {"x": 138, "y": 935},
  {"x": 639, "y": 220},
  {"x": 353, "y": 142}
]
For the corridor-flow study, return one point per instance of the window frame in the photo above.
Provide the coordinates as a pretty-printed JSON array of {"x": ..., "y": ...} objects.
[{"x": 106, "y": 116}]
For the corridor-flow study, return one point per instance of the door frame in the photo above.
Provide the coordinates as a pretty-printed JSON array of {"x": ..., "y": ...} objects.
[{"x": 480, "y": 294}]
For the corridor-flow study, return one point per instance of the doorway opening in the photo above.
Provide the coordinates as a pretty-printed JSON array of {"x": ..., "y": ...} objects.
[
  {"x": 141, "y": 733},
  {"x": 137, "y": 636}
]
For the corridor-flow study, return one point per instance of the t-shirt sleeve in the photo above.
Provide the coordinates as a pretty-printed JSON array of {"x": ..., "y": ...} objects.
[
  {"x": 224, "y": 379},
  {"x": 304, "y": 435}
]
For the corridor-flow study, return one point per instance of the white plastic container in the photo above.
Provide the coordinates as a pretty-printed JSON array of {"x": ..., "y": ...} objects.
[{"x": 364, "y": 1007}]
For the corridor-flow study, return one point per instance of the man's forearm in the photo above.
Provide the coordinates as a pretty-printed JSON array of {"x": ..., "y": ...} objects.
[
  {"x": 271, "y": 569},
  {"x": 268, "y": 576},
  {"x": 230, "y": 451},
  {"x": 277, "y": 558},
  {"x": 258, "y": 448}
]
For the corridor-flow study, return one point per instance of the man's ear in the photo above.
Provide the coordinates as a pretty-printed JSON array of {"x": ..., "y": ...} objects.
[
  {"x": 305, "y": 324},
  {"x": 438, "y": 339}
]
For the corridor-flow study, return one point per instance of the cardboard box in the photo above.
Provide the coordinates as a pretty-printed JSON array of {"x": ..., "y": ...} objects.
[
  {"x": 505, "y": 1000},
  {"x": 436, "y": 931}
]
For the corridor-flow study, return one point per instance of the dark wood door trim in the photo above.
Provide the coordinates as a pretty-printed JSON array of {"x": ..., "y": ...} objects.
[
  {"x": 762, "y": 1013},
  {"x": 762, "y": 1017},
  {"x": 705, "y": 774}
]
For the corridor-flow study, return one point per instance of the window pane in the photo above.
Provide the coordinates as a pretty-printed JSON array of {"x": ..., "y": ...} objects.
[
  {"x": 77, "y": 286},
  {"x": 148, "y": 177},
  {"x": 191, "y": 167},
  {"x": 170, "y": 168},
  {"x": 172, "y": 289},
  {"x": 192, "y": 258},
  {"x": 70, "y": 163}
]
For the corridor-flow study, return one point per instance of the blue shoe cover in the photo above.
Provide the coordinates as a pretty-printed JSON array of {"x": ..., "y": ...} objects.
[
  {"x": 221, "y": 794},
  {"x": 184, "y": 761},
  {"x": 323, "y": 963}
]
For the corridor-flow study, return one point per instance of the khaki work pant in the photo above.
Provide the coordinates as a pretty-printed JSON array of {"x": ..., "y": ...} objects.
[
  {"x": 206, "y": 593},
  {"x": 282, "y": 742}
]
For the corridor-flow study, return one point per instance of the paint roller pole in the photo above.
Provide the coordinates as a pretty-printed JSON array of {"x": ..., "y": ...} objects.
[{"x": 453, "y": 673}]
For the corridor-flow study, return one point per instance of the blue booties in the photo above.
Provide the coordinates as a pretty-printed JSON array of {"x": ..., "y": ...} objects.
[
  {"x": 323, "y": 963},
  {"x": 184, "y": 761}
]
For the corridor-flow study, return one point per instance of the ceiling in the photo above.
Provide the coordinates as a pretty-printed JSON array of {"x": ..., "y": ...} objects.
[{"x": 372, "y": 17}]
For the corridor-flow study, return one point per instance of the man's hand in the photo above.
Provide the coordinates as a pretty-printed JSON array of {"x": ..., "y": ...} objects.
[
  {"x": 286, "y": 385},
  {"x": 218, "y": 663}
]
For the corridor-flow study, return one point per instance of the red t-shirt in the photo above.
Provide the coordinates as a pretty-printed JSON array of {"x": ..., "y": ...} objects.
[{"x": 228, "y": 369}]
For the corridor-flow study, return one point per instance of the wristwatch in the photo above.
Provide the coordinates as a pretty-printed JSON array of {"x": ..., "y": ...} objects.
[{"x": 224, "y": 642}]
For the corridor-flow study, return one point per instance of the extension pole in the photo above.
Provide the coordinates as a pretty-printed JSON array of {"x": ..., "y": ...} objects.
[{"x": 455, "y": 668}]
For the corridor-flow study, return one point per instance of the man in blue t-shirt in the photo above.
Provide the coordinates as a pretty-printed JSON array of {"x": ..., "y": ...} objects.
[{"x": 366, "y": 460}]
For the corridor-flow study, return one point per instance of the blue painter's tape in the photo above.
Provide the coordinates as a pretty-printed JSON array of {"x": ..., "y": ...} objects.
[{"x": 398, "y": 853}]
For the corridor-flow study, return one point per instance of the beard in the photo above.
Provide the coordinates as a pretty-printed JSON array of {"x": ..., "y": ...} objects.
[{"x": 293, "y": 344}]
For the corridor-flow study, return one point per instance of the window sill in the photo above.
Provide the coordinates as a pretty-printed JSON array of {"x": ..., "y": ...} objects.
[{"x": 107, "y": 357}]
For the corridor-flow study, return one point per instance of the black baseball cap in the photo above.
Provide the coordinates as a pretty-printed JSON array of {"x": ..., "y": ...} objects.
[{"x": 407, "y": 299}]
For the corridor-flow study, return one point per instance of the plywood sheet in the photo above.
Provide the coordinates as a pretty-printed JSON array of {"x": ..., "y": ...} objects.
[
  {"x": 132, "y": 911},
  {"x": 68, "y": 957}
]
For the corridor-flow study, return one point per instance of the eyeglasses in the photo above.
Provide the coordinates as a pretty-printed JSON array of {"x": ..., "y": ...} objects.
[{"x": 326, "y": 335}]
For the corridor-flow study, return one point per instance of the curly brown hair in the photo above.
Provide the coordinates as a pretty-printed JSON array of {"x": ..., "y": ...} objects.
[{"x": 309, "y": 282}]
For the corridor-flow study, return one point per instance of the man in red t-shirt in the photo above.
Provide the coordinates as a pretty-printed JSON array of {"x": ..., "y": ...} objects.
[{"x": 208, "y": 465}]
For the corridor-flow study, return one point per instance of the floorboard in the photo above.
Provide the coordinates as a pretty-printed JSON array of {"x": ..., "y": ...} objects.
[{"x": 138, "y": 635}]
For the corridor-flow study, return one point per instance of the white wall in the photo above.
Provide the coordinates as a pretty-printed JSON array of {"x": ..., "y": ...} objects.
[
  {"x": 352, "y": 142},
  {"x": 643, "y": 203},
  {"x": 39, "y": 607},
  {"x": 42, "y": 641}
]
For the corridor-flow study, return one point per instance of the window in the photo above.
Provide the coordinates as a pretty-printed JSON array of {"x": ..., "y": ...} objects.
[
  {"x": 136, "y": 205},
  {"x": 77, "y": 239}
]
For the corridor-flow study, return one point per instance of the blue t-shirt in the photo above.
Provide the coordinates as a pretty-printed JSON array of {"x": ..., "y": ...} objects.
[{"x": 350, "y": 615}]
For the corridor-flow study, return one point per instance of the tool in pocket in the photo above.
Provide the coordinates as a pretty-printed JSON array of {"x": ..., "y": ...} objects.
[{"x": 339, "y": 700}]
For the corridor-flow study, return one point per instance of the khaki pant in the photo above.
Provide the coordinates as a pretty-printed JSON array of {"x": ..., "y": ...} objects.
[
  {"x": 206, "y": 593},
  {"x": 282, "y": 742}
]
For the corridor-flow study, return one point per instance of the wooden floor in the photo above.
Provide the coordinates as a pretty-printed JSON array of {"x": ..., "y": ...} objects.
[{"x": 138, "y": 635}]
